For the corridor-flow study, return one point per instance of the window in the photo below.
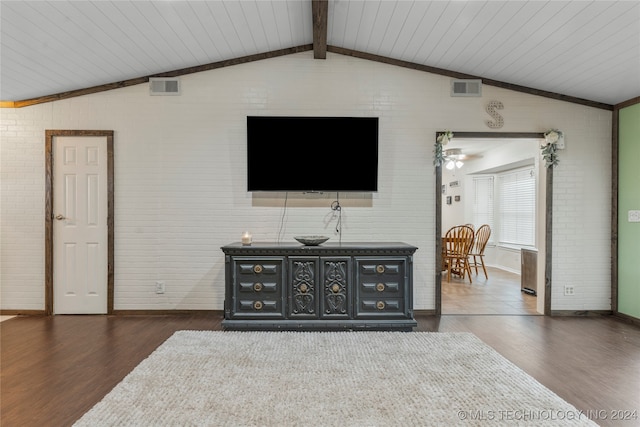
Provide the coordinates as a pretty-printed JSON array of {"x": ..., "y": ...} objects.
[
  {"x": 483, "y": 201},
  {"x": 507, "y": 202},
  {"x": 517, "y": 207}
]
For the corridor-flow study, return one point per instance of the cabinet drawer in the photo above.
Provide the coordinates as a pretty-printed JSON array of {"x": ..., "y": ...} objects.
[
  {"x": 382, "y": 288},
  {"x": 380, "y": 306},
  {"x": 383, "y": 269}
]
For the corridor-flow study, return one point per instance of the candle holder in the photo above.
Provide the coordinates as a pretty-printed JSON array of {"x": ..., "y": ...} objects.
[{"x": 246, "y": 238}]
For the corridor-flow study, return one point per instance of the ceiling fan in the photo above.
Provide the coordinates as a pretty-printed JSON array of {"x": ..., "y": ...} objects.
[{"x": 454, "y": 158}]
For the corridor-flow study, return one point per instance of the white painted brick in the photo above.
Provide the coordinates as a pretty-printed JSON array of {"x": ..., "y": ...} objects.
[{"x": 181, "y": 190}]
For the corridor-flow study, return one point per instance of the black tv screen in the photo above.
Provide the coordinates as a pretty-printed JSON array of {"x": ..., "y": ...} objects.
[{"x": 312, "y": 154}]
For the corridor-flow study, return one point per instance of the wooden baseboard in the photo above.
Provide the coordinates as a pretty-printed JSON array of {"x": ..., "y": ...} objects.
[
  {"x": 627, "y": 318},
  {"x": 125, "y": 312},
  {"x": 425, "y": 312},
  {"x": 22, "y": 312},
  {"x": 581, "y": 313},
  {"x": 167, "y": 312}
]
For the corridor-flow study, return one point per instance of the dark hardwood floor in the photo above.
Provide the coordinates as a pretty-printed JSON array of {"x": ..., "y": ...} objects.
[{"x": 54, "y": 369}]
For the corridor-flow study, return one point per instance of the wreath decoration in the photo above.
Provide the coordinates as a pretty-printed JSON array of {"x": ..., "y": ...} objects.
[
  {"x": 549, "y": 148},
  {"x": 442, "y": 139}
]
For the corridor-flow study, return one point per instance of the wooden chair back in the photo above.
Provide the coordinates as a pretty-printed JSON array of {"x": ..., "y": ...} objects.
[
  {"x": 476, "y": 257},
  {"x": 459, "y": 240},
  {"x": 481, "y": 239}
]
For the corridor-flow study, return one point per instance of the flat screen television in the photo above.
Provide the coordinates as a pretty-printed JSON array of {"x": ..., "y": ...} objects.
[{"x": 312, "y": 154}]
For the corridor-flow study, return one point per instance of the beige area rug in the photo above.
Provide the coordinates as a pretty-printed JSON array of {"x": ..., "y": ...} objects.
[{"x": 205, "y": 378}]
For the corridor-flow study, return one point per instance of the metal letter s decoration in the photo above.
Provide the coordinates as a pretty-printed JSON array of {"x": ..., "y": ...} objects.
[{"x": 492, "y": 106}]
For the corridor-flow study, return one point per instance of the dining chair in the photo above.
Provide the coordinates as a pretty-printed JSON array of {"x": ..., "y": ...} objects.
[
  {"x": 458, "y": 242},
  {"x": 476, "y": 255}
]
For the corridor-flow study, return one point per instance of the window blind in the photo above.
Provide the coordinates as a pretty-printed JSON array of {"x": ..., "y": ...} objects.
[
  {"x": 483, "y": 202},
  {"x": 517, "y": 207}
]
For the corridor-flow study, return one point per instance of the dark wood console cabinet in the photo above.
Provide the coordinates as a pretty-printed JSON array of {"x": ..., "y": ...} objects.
[{"x": 289, "y": 286}]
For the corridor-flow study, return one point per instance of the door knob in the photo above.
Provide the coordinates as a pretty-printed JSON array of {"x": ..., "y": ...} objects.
[{"x": 60, "y": 217}]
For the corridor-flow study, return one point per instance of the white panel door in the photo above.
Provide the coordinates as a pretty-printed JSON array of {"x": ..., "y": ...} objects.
[{"x": 80, "y": 225}]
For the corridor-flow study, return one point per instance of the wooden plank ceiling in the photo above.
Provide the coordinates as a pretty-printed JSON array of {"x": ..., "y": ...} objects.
[{"x": 584, "y": 50}]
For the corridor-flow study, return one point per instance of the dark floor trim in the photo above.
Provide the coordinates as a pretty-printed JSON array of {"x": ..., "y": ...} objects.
[
  {"x": 430, "y": 312},
  {"x": 626, "y": 318},
  {"x": 581, "y": 313},
  {"x": 166, "y": 312},
  {"x": 18, "y": 312}
]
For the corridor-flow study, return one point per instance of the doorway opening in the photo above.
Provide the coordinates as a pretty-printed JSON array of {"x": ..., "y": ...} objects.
[{"x": 480, "y": 162}]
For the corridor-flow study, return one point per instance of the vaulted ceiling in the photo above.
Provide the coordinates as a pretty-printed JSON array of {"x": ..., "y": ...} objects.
[{"x": 587, "y": 50}]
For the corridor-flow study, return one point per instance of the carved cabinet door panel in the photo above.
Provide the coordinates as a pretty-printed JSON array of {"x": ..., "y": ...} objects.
[
  {"x": 336, "y": 289},
  {"x": 303, "y": 287}
]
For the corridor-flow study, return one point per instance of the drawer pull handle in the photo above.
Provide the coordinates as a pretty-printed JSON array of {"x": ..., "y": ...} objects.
[
  {"x": 380, "y": 287},
  {"x": 257, "y": 286},
  {"x": 257, "y": 269},
  {"x": 257, "y": 305},
  {"x": 380, "y": 268},
  {"x": 380, "y": 305}
]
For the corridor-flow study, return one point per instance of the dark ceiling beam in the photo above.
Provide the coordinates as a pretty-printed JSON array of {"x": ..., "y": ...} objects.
[
  {"x": 320, "y": 10},
  {"x": 145, "y": 79},
  {"x": 457, "y": 75}
]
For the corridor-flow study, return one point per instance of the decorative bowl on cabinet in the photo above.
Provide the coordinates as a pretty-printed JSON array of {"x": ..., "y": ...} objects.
[{"x": 311, "y": 240}]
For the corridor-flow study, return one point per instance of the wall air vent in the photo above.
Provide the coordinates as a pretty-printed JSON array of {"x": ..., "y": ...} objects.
[
  {"x": 466, "y": 87},
  {"x": 164, "y": 86}
]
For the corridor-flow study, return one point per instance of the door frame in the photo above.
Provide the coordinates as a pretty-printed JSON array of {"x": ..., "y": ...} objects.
[
  {"x": 48, "y": 213},
  {"x": 548, "y": 221}
]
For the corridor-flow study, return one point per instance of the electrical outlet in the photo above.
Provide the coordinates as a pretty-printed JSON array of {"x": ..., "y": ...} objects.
[
  {"x": 159, "y": 287},
  {"x": 569, "y": 290},
  {"x": 634, "y": 216}
]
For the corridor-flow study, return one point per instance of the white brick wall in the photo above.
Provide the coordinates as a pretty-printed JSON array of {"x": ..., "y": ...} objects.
[
  {"x": 181, "y": 189},
  {"x": 22, "y": 207}
]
